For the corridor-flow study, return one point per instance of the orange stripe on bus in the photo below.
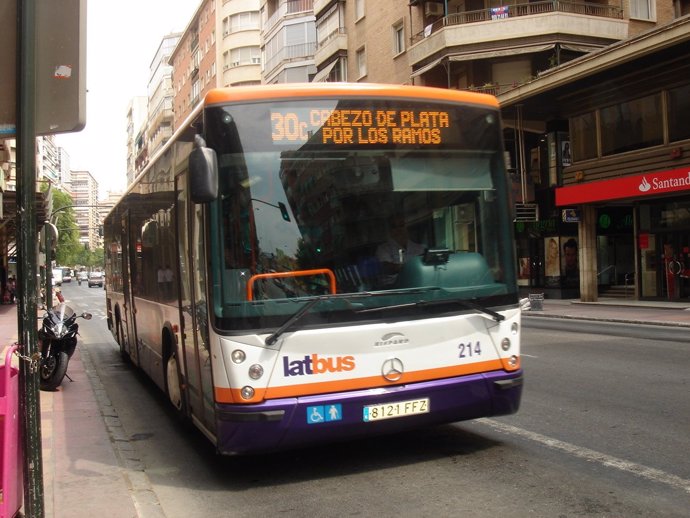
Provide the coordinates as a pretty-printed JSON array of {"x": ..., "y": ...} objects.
[
  {"x": 296, "y": 90},
  {"x": 230, "y": 395}
]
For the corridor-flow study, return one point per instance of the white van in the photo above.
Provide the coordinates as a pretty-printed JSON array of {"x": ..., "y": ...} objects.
[{"x": 57, "y": 276}]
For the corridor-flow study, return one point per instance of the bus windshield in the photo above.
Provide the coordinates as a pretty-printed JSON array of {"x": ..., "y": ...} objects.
[{"x": 402, "y": 200}]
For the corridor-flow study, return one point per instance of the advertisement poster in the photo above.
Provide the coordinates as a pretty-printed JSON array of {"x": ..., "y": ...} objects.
[
  {"x": 523, "y": 271},
  {"x": 569, "y": 268}
]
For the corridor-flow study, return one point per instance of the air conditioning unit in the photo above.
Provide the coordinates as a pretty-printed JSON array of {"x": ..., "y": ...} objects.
[{"x": 433, "y": 9}]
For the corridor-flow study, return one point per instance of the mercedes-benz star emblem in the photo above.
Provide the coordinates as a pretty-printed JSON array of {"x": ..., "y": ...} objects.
[{"x": 392, "y": 369}]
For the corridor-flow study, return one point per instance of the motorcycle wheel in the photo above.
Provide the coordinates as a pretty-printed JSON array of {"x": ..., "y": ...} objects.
[{"x": 53, "y": 370}]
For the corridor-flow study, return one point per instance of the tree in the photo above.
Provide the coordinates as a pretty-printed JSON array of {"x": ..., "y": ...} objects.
[{"x": 68, "y": 245}]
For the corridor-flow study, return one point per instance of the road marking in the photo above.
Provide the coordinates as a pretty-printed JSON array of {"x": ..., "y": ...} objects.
[
  {"x": 652, "y": 474},
  {"x": 528, "y": 355}
]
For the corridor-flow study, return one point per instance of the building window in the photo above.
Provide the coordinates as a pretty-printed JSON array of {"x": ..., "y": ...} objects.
[
  {"x": 328, "y": 25},
  {"x": 361, "y": 63},
  {"x": 583, "y": 133},
  {"x": 679, "y": 113},
  {"x": 245, "y": 56},
  {"x": 631, "y": 125},
  {"x": 249, "y": 20},
  {"x": 398, "y": 38},
  {"x": 642, "y": 9},
  {"x": 359, "y": 9}
]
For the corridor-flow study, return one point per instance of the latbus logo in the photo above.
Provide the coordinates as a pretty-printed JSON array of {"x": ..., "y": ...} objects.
[{"x": 315, "y": 364}]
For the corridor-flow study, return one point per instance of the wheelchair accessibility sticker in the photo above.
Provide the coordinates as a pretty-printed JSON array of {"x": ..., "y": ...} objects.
[{"x": 324, "y": 413}]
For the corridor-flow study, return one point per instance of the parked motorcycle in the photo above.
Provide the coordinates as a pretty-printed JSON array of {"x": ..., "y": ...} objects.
[{"x": 57, "y": 342}]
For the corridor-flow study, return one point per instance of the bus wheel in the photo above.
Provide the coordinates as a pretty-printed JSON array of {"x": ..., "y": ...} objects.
[
  {"x": 172, "y": 383},
  {"x": 121, "y": 341}
]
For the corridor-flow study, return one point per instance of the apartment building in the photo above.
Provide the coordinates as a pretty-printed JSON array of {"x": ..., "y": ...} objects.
[
  {"x": 137, "y": 112},
  {"x": 238, "y": 49},
  {"x": 193, "y": 61},
  {"x": 364, "y": 41},
  {"x": 288, "y": 41},
  {"x": 160, "y": 95},
  {"x": 86, "y": 213},
  {"x": 48, "y": 160}
]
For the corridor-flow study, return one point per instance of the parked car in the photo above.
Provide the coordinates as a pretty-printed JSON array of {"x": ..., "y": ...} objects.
[{"x": 96, "y": 279}]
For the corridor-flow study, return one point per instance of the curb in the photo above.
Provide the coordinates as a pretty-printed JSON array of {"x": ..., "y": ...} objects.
[
  {"x": 143, "y": 496},
  {"x": 612, "y": 320}
]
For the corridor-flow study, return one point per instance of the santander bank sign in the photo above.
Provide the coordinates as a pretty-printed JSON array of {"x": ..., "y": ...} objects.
[{"x": 634, "y": 186}]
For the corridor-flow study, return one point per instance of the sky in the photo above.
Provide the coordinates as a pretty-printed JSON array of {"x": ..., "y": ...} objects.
[{"x": 122, "y": 40}]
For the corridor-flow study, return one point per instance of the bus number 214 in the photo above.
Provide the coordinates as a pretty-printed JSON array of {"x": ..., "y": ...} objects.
[{"x": 468, "y": 350}]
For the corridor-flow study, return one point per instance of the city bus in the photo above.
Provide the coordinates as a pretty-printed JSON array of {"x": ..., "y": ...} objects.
[{"x": 308, "y": 263}]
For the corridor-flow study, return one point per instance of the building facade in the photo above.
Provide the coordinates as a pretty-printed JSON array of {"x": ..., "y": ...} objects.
[
  {"x": 160, "y": 95},
  {"x": 238, "y": 49},
  {"x": 288, "y": 41},
  {"x": 612, "y": 172},
  {"x": 193, "y": 61},
  {"x": 137, "y": 112},
  {"x": 364, "y": 41},
  {"x": 86, "y": 213}
]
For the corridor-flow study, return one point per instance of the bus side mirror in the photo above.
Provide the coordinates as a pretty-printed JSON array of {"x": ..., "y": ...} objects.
[{"x": 203, "y": 172}]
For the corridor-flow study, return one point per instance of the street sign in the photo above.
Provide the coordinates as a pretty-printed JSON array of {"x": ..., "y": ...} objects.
[
  {"x": 60, "y": 40},
  {"x": 570, "y": 215}
]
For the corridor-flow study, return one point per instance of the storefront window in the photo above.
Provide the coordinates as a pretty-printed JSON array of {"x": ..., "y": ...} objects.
[
  {"x": 583, "y": 132},
  {"x": 631, "y": 125},
  {"x": 679, "y": 113}
]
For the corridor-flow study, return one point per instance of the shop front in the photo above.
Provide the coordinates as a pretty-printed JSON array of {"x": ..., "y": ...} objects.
[
  {"x": 652, "y": 256},
  {"x": 547, "y": 252}
]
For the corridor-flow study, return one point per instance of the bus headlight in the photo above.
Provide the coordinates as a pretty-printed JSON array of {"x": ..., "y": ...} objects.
[
  {"x": 247, "y": 392},
  {"x": 505, "y": 344},
  {"x": 238, "y": 356},
  {"x": 514, "y": 328},
  {"x": 256, "y": 371},
  {"x": 513, "y": 361}
]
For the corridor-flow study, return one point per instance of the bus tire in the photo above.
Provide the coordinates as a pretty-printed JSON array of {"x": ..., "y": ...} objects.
[
  {"x": 121, "y": 341},
  {"x": 173, "y": 384}
]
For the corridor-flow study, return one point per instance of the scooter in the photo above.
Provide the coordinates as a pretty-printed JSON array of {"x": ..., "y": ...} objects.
[{"x": 57, "y": 342}]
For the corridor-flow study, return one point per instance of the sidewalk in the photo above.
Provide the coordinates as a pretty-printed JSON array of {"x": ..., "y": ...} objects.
[
  {"x": 83, "y": 474},
  {"x": 617, "y": 310}
]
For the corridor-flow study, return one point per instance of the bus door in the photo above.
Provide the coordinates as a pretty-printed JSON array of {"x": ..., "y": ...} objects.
[
  {"x": 128, "y": 314},
  {"x": 193, "y": 307}
]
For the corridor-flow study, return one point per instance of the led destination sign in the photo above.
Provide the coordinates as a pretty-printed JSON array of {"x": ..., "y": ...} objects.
[{"x": 344, "y": 127}]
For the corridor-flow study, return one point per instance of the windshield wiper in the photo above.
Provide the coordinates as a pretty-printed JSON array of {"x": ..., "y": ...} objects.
[
  {"x": 273, "y": 337},
  {"x": 428, "y": 303}
]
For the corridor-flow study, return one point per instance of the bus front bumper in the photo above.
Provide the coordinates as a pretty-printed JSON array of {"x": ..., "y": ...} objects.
[{"x": 292, "y": 422}]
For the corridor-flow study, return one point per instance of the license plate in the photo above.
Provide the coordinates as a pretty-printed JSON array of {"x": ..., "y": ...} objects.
[{"x": 392, "y": 410}]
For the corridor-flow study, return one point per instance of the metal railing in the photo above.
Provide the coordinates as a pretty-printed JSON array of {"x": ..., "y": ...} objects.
[
  {"x": 529, "y": 9},
  {"x": 609, "y": 267},
  {"x": 291, "y": 53},
  {"x": 286, "y": 8}
]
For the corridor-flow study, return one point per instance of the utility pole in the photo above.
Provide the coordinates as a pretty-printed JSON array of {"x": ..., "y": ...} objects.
[{"x": 29, "y": 404}]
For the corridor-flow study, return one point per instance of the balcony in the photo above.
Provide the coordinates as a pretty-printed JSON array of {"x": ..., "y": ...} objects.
[
  {"x": 162, "y": 113},
  {"x": 291, "y": 53},
  {"x": 331, "y": 44},
  {"x": 291, "y": 7},
  {"x": 159, "y": 139},
  {"x": 487, "y": 28}
]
